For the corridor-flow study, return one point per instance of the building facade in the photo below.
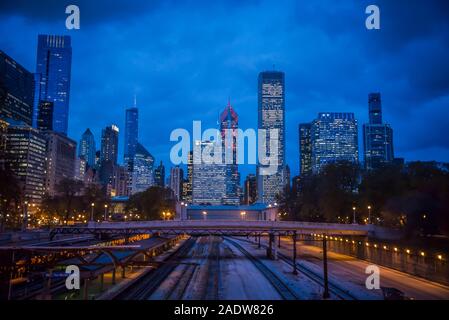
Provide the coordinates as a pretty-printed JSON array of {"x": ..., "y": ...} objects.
[
  {"x": 87, "y": 147},
  {"x": 16, "y": 91},
  {"x": 229, "y": 122},
  {"x": 45, "y": 116},
  {"x": 61, "y": 160},
  {"x": 377, "y": 136},
  {"x": 209, "y": 179},
  {"x": 54, "y": 64},
  {"x": 25, "y": 155},
  {"x": 176, "y": 180},
  {"x": 271, "y": 116},
  {"x": 188, "y": 182},
  {"x": 334, "y": 138},
  {"x": 159, "y": 175},
  {"x": 143, "y": 172},
  {"x": 305, "y": 149},
  {"x": 250, "y": 190},
  {"x": 109, "y": 144}
]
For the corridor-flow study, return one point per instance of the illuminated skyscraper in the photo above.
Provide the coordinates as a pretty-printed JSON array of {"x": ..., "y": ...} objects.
[
  {"x": 377, "y": 136},
  {"x": 54, "y": 64},
  {"x": 159, "y": 175},
  {"x": 305, "y": 149},
  {"x": 16, "y": 90},
  {"x": 228, "y": 128},
  {"x": 187, "y": 184},
  {"x": 271, "y": 115},
  {"x": 25, "y": 155},
  {"x": 209, "y": 179},
  {"x": 131, "y": 134},
  {"x": 61, "y": 160},
  {"x": 176, "y": 179},
  {"x": 109, "y": 144},
  {"x": 334, "y": 138},
  {"x": 143, "y": 173},
  {"x": 87, "y": 147}
]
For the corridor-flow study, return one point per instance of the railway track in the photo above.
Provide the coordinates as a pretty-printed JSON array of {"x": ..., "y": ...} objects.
[
  {"x": 334, "y": 289},
  {"x": 284, "y": 291},
  {"x": 147, "y": 285}
]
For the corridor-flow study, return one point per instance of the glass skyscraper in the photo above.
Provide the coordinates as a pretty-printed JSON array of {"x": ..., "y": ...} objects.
[
  {"x": 229, "y": 122},
  {"x": 16, "y": 90},
  {"x": 109, "y": 144},
  {"x": 54, "y": 63},
  {"x": 334, "y": 137},
  {"x": 131, "y": 133},
  {"x": 142, "y": 175},
  {"x": 209, "y": 179},
  {"x": 271, "y": 115},
  {"x": 377, "y": 136},
  {"x": 25, "y": 155},
  {"x": 305, "y": 149},
  {"x": 87, "y": 147}
]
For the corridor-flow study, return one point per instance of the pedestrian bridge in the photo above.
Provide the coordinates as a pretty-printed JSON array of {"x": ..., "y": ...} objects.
[{"x": 216, "y": 227}]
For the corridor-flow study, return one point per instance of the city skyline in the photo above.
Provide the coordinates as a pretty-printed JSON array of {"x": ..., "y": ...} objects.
[{"x": 195, "y": 87}]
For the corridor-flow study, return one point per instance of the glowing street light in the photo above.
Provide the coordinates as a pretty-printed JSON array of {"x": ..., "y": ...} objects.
[
  {"x": 105, "y": 212},
  {"x": 205, "y": 215},
  {"x": 243, "y": 215},
  {"x": 369, "y": 214},
  {"x": 92, "y": 205},
  {"x": 353, "y": 215}
]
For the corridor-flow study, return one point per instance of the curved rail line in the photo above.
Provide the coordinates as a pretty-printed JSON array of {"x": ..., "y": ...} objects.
[
  {"x": 284, "y": 291},
  {"x": 314, "y": 276}
]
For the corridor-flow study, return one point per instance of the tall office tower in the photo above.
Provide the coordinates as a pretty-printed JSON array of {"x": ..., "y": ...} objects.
[
  {"x": 271, "y": 116},
  {"x": 109, "y": 144},
  {"x": 25, "y": 156},
  {"x": 250, "y": 189},
  {"x": 45, "y": 116},
  {"x": 120, "y": 180},
  {"x": 305, "y": 149},
  {"x": 229, "y": 122},
  {"x": 187, "y": 184},
  {"x": 143, "y": 173},
  {"x": 375, "y": 108},
  {"x": 377, "y": 136},
  {"x": 54, "y": 64},
  {"x": 209, "y": 185},
  {"x": 131, "y": 134},
  {"x": 334, "y": 138},
  {"x": 87, "y": 147},
  {"x": 159, "y": 176},
  {"x": 16, "y": 90},
  {"x": 176, "y": 179},
  {"x": 61, "y": 160}
]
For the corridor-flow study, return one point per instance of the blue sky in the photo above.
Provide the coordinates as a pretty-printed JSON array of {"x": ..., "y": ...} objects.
[{"x": 184, "y": 58}]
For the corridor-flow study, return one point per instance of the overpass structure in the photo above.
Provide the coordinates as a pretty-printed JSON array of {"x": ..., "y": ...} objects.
[{"x": 215, "y": 227}]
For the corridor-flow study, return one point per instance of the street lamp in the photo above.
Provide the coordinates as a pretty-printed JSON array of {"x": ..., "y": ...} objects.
[
  {"x": 205, "y": 215},
  {"x": 369, "y": 214},
  {"x": 92, "y": 205},
  {"x": 163, "y": 215},
  {"x": 105, "y": 212},
  {"x": 243, "y": 215},
  {"x": 353, "y": 215}
]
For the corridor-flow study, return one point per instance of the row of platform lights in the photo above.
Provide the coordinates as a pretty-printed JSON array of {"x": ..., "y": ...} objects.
[{"x": 367, "y": 244}]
